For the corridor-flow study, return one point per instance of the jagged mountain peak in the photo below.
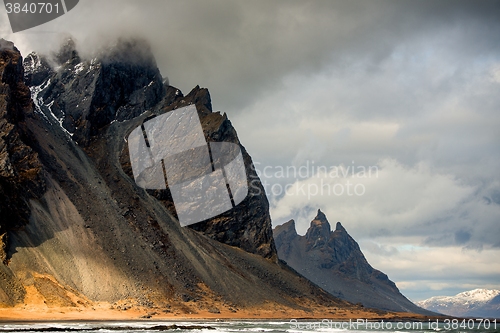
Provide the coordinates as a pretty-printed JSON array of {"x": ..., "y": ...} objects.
[
  {"x": 339, "y": 227},
  {"x": 285, "y": 234},
  {"x": 334, "y": 261},
  {"x": 36, "y": 69},
  {"x": 288, "y": 226},
  {"x": 201, "y": 97},
  {"x": 320, "y": 216},
  {"x": 84, "y": 96},
  {"x": 286, "y": 230},
  {"x": 319, "y": 228}
]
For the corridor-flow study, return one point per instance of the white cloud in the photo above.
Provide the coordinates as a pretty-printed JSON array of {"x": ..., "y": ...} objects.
[
  {"x": 452, "y": 269},
  {"x": 495, "y": 73},
  {"x": 394, "y": 198}
]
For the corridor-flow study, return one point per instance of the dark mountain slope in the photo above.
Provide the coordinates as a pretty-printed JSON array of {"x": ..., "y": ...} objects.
[{"x": 334, "y": 261}]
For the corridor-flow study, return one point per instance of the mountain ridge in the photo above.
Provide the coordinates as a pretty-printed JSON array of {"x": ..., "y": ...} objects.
[
  {"x": 484, "y": 303},
  {"x": 334, "y": 261}
]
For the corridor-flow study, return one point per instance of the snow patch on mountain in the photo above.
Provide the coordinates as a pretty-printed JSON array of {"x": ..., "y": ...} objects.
[
  {"x": 34, "y": 61},
  {"x": 38, "y": 101}
]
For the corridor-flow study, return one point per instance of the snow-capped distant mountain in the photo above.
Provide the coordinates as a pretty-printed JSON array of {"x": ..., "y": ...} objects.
[{"x": 474, "y": 303}]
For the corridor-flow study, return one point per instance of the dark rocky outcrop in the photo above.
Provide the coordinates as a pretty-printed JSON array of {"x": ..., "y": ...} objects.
[
  {"x": 248, "y": 225},
  {"x": 37, "y": 70},
  {"x": 85, "y": 96},
  {"x": 20, "y": 168},
  {"x": 334, "y": 261}
]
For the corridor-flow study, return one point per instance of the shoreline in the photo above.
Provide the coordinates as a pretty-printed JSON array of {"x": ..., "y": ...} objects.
[{"x": 100, "y": 314}]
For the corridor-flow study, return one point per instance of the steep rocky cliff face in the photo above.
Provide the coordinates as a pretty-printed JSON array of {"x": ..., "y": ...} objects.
[
  {"x": 124, "y": 83},
  {"x": 85, "y": 96},
  {"x": 81, "y": 231},
  {"x": 20, "y": 168},
  {"x": 248, "y": 225},
  {"x": 334, "y": 261}
]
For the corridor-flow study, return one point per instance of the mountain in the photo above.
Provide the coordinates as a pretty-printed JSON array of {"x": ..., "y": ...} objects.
[
  {"x": 83, "y": 97},
  {"x": 334, "y": 261},
  {"x": 76, "y": 230},
  {"x": 482, "y": 303}
]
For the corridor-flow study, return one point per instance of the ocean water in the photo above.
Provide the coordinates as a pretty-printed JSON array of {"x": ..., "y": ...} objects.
[{"x": 233, "y": 326}]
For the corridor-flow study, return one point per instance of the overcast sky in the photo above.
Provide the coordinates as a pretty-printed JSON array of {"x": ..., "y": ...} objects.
[{"x": 409, "y": 90}]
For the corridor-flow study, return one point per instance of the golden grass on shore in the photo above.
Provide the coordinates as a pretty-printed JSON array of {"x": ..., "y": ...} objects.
[{"x": 105, "y": 311}]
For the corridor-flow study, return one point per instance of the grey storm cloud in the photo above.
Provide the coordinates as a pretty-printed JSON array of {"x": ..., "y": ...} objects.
[{"x": 240, "y": 49}]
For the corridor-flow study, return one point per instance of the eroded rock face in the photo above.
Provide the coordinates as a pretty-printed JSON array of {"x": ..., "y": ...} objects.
[
  {"x": 37, "y": 70},
  {"x": 86, "y": 96},
  {"x": 20, "y": 168},
  {"x": 334, "y": 261},
  {"x": 248, "y": 225}
]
